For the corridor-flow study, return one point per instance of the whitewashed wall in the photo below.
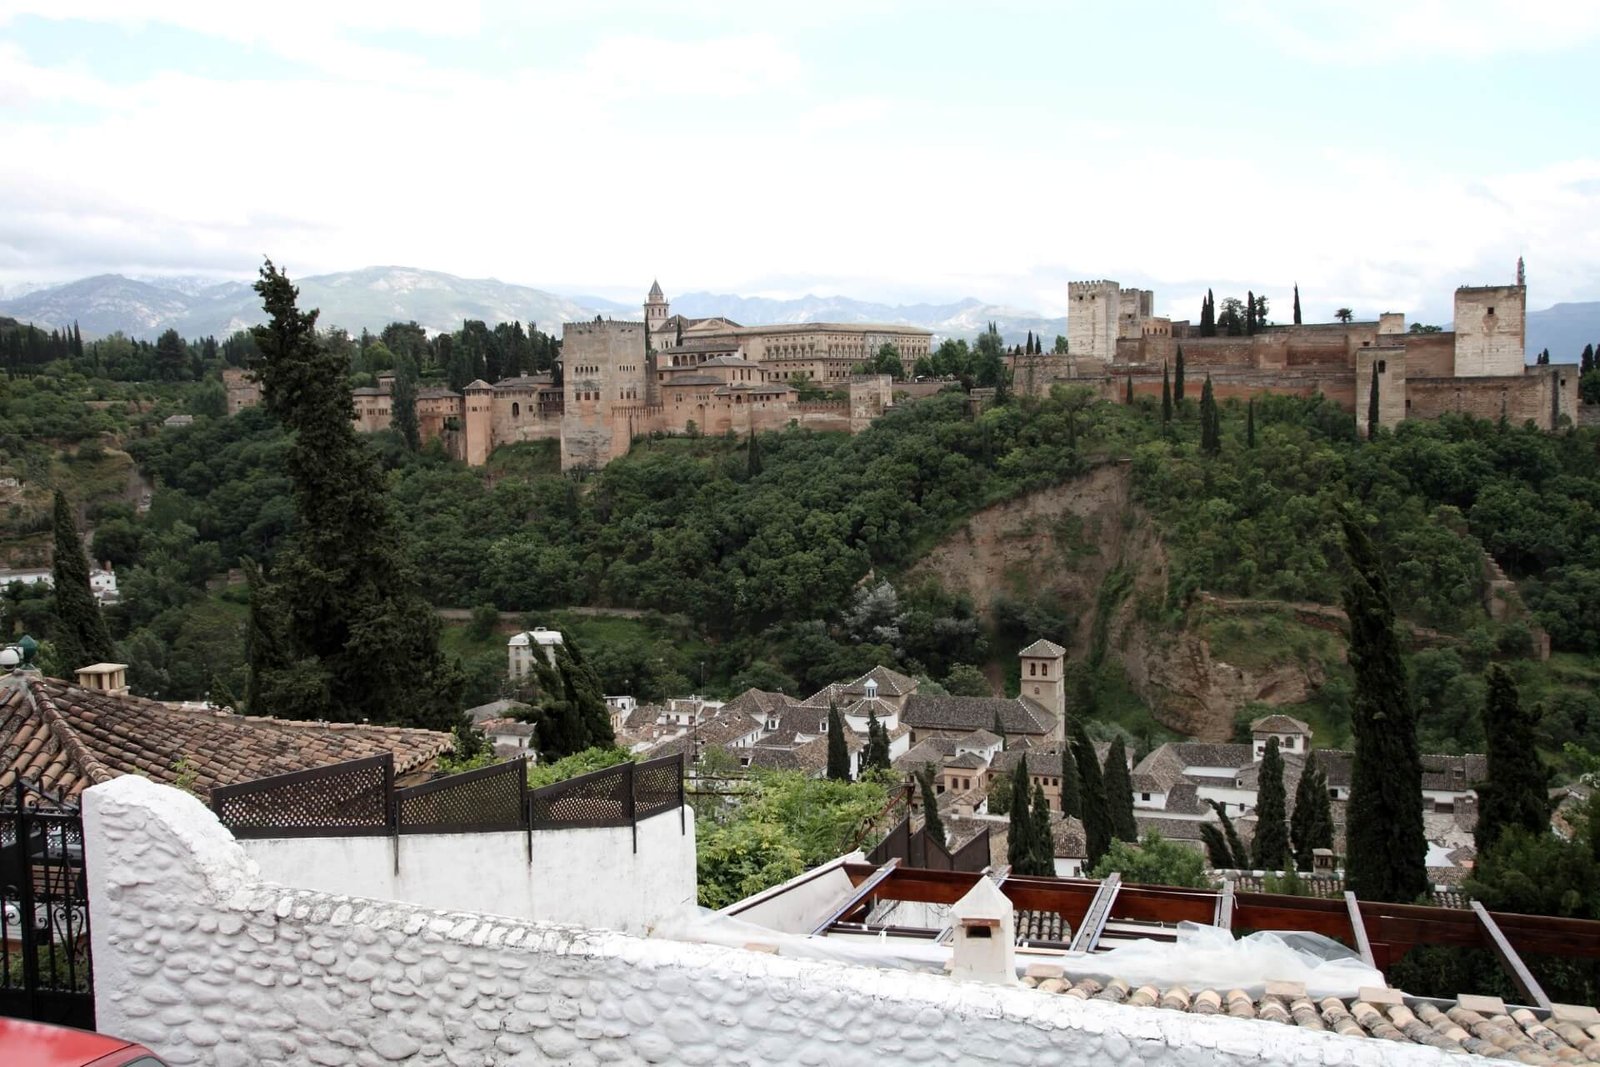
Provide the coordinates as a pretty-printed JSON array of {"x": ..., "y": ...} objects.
[
  {"x": 589, "y": 877},
  {"x": 206, "y": 963}
]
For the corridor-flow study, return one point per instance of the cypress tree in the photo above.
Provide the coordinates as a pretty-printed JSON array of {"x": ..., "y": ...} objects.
[
  {"x": 1514, "y": 795},
  {"x": 1311, "y": 826},
  {"x": 1586, "y": 364},
  {"x": 1372, "y": 404},
  {"x": 80, "y": 634},
  {"x": 1250, "y": 312},
  {"x": 931, "y": 822},
  {"x": 1019, "y": 842},
  {"x": 264, "y": 646},
  {"x": 1210, "y": 425},
  {"x": 1177, "y": 380},
  {"x": 877, "y": 757},
  {"x": 1383, "y": 837},
  {"x": 1271, "y": 844},
  {"x": 1071, "y": 791},
  {"x": 403, "y": 408},
  {"x": 1097, "y": 828},
  {"x": 1129, "y": 399},
  {"x": 364, "y": 642},
  {"x": 1028, "y": 348},
  {"x": 1119, "y": 792},
  {"x": 1250, "y": 423},
  {"x": 1166, "y": 396},
  {"x": 1218, "y": 854},
  {"x": 1000, "y": 729},
  {"x": 1297, "y": 304},
  {"x": 1043, "y": 860},
  {"x": 1236, "y": 850},
  {"x": 752, "y": 465},
  {"x": 1208, "y": 316},
  {"x": 838, "y": 751}
]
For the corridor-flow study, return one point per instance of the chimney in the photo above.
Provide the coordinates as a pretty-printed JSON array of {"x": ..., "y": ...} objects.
[
  {"x": 985, "y": 938},
  {"x": 104, "y": 677}
]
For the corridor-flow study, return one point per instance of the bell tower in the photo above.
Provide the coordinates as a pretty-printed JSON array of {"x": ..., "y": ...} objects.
[{"x": 656, "y": 308}]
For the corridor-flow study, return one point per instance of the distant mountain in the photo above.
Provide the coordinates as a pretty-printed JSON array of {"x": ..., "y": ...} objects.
[
  {"x": 369, "y": 298},
  {"x": 965, "y": 318},
  {"x": 1564, "y": 330}
]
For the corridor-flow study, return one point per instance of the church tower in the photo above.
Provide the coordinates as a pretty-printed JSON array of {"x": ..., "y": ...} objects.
[{"x": 656, "y": 309}]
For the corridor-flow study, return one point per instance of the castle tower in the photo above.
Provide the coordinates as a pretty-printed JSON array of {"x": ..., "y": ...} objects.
[
  {"x": 1093, "y": 309},
  {"x": 1491, "y": 330},
  {"x": 606, "y": 376},
  {"x": 656, "y": 308},
  {"x": 477, "y": 422},
  {"x": 1044, "y": 679}
]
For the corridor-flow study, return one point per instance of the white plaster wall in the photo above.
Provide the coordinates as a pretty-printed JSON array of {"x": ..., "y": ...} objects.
[
  {"x": 206, "y": 963},
  {"x": 591, "y": 877}
]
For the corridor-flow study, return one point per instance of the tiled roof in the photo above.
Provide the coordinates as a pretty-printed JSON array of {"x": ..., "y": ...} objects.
[
  {"x": 979, "y": 739},
  {"x": 757, "y": 703},
  {"x": 1043, "y": 648},
  {"x": 508, "y": 727},
  {"x": 1017, "y": 715},
  {"x": 1497, "y": 1032},
  {"x": 65, "y": 739},
  {"x": 1280, "y": 724},
  {"x": 1071, "y": 841},
  {"x": 1204, "y": 754},
  {"x": 692, "y": 379},
  {"x": 967, "y": 761},
  {"x": 890, "y": 683},
  {"x": 833, "y": 692},
  {"x": 495, "y": 709},
  {"x": 932, "y": 750}
]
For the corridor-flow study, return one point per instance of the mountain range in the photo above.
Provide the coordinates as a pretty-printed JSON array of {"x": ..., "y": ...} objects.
[{"x": 373, "y": 297}]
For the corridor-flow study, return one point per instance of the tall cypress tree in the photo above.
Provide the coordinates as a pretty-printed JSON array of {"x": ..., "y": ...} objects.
[
  {"x": 1071, "y": 790},
  {"x": 752, "y": 465},
  {"x": 1177, "y": 380},
  {"x": 838, "y": 751},
  {"x": 877, "y": 755},
  {"x": 1119, "y": 792},
  {"x": 403, "y": 408},
  {"x": 931, "y": 821},
  {"x": 1311, "y": 826},
  {"x": 1515, "y": 794},
  {"x": 1210, "y": 422},
  {"x": 1270, "y": 848},
  {"x": 1043, "y": 859},
  {"x": 1250, "y": 312},
  {"x": 1586, "y": 363},
  {"x": 1129, "y": 399},
  {"x": 1166, "y": 396},
  {"x": 1297, "y": 303},
  {"x": 1097, "y": 829},
  {"x": 1372, "y": 404},
  {"x": 80, "y": 634},
  {"x": 1208, "y": 316},
  {"x": 1383, "y": 836},
  {"x": 1250, "y": 423},
  {"x": 1019, "y": 841},
  {"x": 1235, "y": 847},
  {"x": 363, "y": 642}
]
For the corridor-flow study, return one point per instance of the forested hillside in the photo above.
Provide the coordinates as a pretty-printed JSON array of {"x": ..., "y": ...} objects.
[{"x": 788, "y": 555}]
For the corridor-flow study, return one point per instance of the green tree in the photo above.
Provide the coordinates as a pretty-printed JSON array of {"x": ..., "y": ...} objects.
[
  {"x": 1218, "y": 854},
  {"x": 1372, "y": 404},
  {"x": 1344, "y": 315},
  {"x": 1097, "y": 826},
  {"x": 1297, "y": 304},
  {"x": 1515, "y": 793},
  {"x": 1177, "y": 381},
  {"x": 1250, "y": 313},
  {"x": 568, "y": 704},
  {"x": 1270, "y": 848},
  {"x": 752, "y": 464},
  {"x": 877, "y": 754},
  {"x": 1119, "y": 792},
  {"x": 403, "y": 410},
  {"x": 1020, "y": 848},
  {"x": 1384, "y": 839},
  {"x": 1153, "y": 861},
  {"x": 1250, "y": 423},
  {"x": 1166, "y": 397},
  {"x": 172, "y": 357},
  {"x": 1210, "y": 421},
  {"x": 1128, "y": 398},
  {"x": 965, "y": 680},
  {"x": 1071, "y": 790},
  {"x": 1311, "y": 826},
  {"x": 931, "y": 821},
  {"x": 1043, "y": 862},
  {"x": 838, "y": 750},
  {"x": 79, "y": 634},
  {"x": 364, "y": 645}
]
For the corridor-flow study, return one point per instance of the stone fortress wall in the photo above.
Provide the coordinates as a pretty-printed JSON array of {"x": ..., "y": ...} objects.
[
  {"x": 199, "y": 958},
  {"x": 1480, "y": 368}
]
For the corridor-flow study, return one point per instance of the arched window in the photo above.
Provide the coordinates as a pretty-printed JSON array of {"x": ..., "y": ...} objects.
[{"x": 516, "y": 409}]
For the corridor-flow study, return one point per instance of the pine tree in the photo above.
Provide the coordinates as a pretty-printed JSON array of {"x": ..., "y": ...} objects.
[
  {"x": 80, "y": 632},
  {"x": 1297, "y": 303},
  {"x": 1384, "y": 838},
  {"x": 1372, "y": 404},
  {"x": 1210, "y": 424},
  {"x": 931, "y": 821},
  {"x": 1250, "y": 312},
  {"x": 1515, "y": 794},
  {"x": 1177, "y": 380},
  {"x": 1043, "y": 859},
  {"x": 1019, "y": 842},
  {"x": 1311, "y": 826},
  {"x": 1166, "y": 396},
  {"x": 363, "y": 642},
  {"x": 1119, "y": 792},
  {"x": 1271, "y": 844},
  {"x": 1250, "y": 423},
  {"x": 1097, "y": 828},
  {"x": 838, "y": 750},
  {"x": 1071, "y": 790}
]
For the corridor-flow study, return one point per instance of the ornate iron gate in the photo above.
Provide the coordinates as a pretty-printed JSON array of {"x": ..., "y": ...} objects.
[{"x": 45, "y": 971}]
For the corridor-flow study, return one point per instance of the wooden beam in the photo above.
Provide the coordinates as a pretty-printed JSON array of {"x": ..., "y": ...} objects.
[
  {"x": 1358, "y": 928},
  {"x": 1520, "y": 975},
  {"x": 1094, "y": 920},
  {"x": 1224, "y": 916},
  {"x": 862, "y": 892}
]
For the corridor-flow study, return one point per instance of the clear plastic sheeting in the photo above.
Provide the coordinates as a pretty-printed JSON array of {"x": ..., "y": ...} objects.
[
  {"x": 871, "y": 950},
  {"x": 1208, "y": 957}
]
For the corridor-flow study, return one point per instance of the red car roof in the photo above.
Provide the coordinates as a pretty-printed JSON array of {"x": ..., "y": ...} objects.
[{"x": 43, "y": 1045}]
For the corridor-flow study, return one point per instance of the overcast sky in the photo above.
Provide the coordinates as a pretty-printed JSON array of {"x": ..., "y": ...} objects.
[{"x": 1379, "y": 152}]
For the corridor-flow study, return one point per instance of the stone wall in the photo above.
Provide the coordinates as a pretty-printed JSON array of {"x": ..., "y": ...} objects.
[
  {"x": 1533, "y": 396},
  {"x": 1092, "y": 319},
  {"x": 201, "y": 960},
  {"x": 604, "y": 370},
  {"x": 1390, "y": 361},
  {"x": 1490, "y": 325}
]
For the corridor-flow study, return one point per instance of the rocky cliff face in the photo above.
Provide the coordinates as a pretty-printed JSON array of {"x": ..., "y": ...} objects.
[{"x": 1062, "y": 543}]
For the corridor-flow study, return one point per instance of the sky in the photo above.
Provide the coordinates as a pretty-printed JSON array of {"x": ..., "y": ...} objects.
[{"x": 1378, "y": 153}]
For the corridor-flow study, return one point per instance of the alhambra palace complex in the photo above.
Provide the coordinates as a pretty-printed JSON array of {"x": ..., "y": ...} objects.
[{"x": 675, "y": 375}]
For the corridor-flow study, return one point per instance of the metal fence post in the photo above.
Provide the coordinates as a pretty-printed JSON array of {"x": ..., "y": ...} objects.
[
  {"x": 30, "y": 932},
  {"x": 633, "y": 817},
  {"x": 683, "y": 769}
]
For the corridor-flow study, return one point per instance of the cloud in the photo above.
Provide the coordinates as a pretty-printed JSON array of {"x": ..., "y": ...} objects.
[{"x": 1365, "y": 32}]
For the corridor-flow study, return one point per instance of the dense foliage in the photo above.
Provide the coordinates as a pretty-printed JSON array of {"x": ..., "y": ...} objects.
[
  {"x": 1514, "y": 796},
  {"x": 1153, "y": 861},
  {"x": 1270, "y": 846}
]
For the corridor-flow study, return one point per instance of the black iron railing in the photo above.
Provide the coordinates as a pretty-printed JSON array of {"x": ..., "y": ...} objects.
[{"x": 45, "y": 972}]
